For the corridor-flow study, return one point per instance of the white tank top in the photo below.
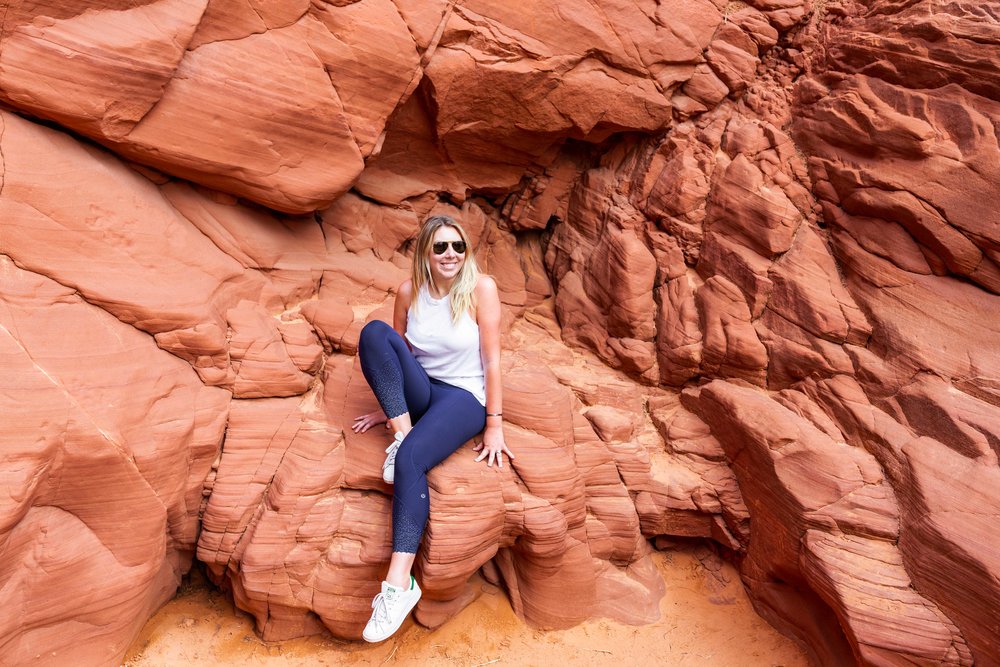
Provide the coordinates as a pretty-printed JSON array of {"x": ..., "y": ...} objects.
[{"x": 448, "y": 352}]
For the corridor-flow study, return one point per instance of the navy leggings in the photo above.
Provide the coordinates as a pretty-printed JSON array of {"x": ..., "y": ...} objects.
[{"x": 444, "y": 417}]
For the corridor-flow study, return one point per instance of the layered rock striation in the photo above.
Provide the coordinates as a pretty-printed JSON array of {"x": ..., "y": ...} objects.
[{"x": 748, "y": 255}]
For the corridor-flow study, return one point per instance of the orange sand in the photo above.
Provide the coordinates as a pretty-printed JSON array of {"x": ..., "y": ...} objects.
[{"x": 706, "y": 619}]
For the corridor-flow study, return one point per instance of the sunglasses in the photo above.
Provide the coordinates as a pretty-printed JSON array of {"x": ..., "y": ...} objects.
[{"x": 441, "y": 247}]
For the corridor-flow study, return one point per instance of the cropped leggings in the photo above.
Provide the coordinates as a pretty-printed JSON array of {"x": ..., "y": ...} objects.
[{"x": 444, "y": 417}]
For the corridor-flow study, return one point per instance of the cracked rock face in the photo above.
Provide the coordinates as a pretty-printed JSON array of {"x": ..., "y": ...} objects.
[{"x": 748, "y": 254}]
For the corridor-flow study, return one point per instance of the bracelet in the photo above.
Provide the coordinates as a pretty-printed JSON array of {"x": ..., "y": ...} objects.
[{"x": 494, "y": 414}]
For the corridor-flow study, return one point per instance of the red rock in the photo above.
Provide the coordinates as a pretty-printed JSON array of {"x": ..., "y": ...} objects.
[
  {"x": 362, "y": 226},
  {"x": 956, "y": 419},
  {"x": 796, "y": 354},
  {"x": 913, "y": 315},
  {"x": 611, "y": 423},
  {"x": 235, "y": 19},
  {"x": 259, "y": 357},
  {"x": 297, "y": 177},
  {"x": 930, "y": 230},
  {"x": 949, "y": 505},
  {"x": 783, "y": 14},
  {"x": 121, "y": 60},
  {"x": 731, "y": 347},
  {"x": 741, "y": 266},
  {"x": 732, "y": 64},
  {"x": 614, "y": 277},
  {"x": 705, "y": 87},
  {"x": 103, "y": 471},
  {"x": 679, "y": 336},
  {"x": 621, "y": 283},
  {"x": 950, "y": 228},
  {"x": 545, "y": 195},
  {"x": 287, "y": 132},
  {"x": 281, "y": 460},
  {"x": 692, "y": 23},
  {"x": 886, "y": 239},
  {"x": 756, "y": 26},
  {"x": 871, "y": 606},
  {"x": 667, "y": 194},
  {"x": 301, "y": 345},
  {"x": 81, "y": 215},
  {"x": 828, "y": 516},
  {"x": 372, "y": 61},
  {"x": 897, "y": 193},
  {"x": 539, "y": 403},
  {"x": 942, "y": 34},
  {"x": 254, "y": 238},
  {"x": 758, "y": 213},
  {"x": 426, "y": 21},
  {"x": 807, "y": 291},
  {"x": 410, "y": 163},
  {"x": 932, "y": 479},
  {"x": 534, "y": 525},
  {"x": 582, "y": 82},
  {"x": 330, "y": 319},
  {"x": 678, "y": 179}
]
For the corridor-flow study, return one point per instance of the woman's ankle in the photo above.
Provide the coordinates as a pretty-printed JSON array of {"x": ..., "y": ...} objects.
[{"x": 401, "y": 424}]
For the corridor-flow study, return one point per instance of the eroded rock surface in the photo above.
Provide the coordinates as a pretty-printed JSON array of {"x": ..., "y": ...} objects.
[{"x": 749, "y": 259}]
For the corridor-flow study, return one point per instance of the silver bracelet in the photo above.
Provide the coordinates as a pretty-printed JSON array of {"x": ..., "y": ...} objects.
[{"x": 494, "y": 414}]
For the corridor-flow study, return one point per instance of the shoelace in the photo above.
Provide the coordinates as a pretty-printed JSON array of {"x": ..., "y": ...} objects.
[
  {"x": 381, "y": 606},
  {"x": 391, "y": 451}
]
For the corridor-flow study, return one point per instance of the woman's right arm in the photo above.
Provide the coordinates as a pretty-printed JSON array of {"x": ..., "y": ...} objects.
[
  {"x": 404, "y": 294},
  {"x": 399, "y": 310}
]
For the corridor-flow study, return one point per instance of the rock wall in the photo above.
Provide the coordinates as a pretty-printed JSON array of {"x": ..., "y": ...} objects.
[{"x": 748, "y": 254}]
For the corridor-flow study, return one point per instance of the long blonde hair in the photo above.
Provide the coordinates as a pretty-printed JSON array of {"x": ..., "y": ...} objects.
[{"x": 462, "y": 291}]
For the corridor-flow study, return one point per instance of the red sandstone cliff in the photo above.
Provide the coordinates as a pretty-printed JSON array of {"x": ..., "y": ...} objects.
[{"x": 749, "y": 256}]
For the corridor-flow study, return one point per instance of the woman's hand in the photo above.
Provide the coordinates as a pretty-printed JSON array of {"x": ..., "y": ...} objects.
[
  {"x": 364, "y": 422},
  {"x": 493, "y": 446}
]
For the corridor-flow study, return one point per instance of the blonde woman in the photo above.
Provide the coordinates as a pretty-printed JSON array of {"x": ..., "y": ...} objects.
[{"x": 436, "y": 375}]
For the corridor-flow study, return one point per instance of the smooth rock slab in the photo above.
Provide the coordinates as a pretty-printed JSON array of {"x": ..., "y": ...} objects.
[{"x": 103, "y": 454}]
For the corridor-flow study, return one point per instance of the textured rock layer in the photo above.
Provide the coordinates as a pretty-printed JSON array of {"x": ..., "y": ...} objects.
[{"x": 750, "y": 260}]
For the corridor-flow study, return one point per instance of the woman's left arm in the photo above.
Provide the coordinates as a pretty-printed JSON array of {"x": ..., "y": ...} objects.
[{"x": 488, "y": 319}]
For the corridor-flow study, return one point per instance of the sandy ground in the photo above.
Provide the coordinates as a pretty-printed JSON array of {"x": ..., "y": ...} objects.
[{"x": 706, "y": 619}]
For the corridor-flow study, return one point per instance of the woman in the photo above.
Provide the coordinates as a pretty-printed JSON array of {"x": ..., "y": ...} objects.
[{"x": 436, "y": 375}]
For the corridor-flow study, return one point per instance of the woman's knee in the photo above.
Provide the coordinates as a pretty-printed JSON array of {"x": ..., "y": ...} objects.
[
  {"x": 373, "y": 332},
  {"x": 404, "y": 470}
]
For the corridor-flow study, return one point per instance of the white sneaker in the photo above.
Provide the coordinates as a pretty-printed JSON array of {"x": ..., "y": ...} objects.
[
  {"x": 389, "y": 467},
  {"x": 391, "y": 607}
]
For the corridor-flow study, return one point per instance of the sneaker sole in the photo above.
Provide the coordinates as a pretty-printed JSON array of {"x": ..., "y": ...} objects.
[{"x": 392, "y": 631}]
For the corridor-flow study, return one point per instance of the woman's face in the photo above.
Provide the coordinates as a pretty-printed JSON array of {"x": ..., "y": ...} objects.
[{"x": 445, "y": 267}]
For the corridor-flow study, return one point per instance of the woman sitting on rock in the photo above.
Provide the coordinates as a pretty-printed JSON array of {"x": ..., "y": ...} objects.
[{"x": 436, "y": 375}]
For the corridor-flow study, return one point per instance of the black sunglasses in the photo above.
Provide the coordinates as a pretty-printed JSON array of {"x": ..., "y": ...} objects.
[{"x": 441, "y": 247}]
